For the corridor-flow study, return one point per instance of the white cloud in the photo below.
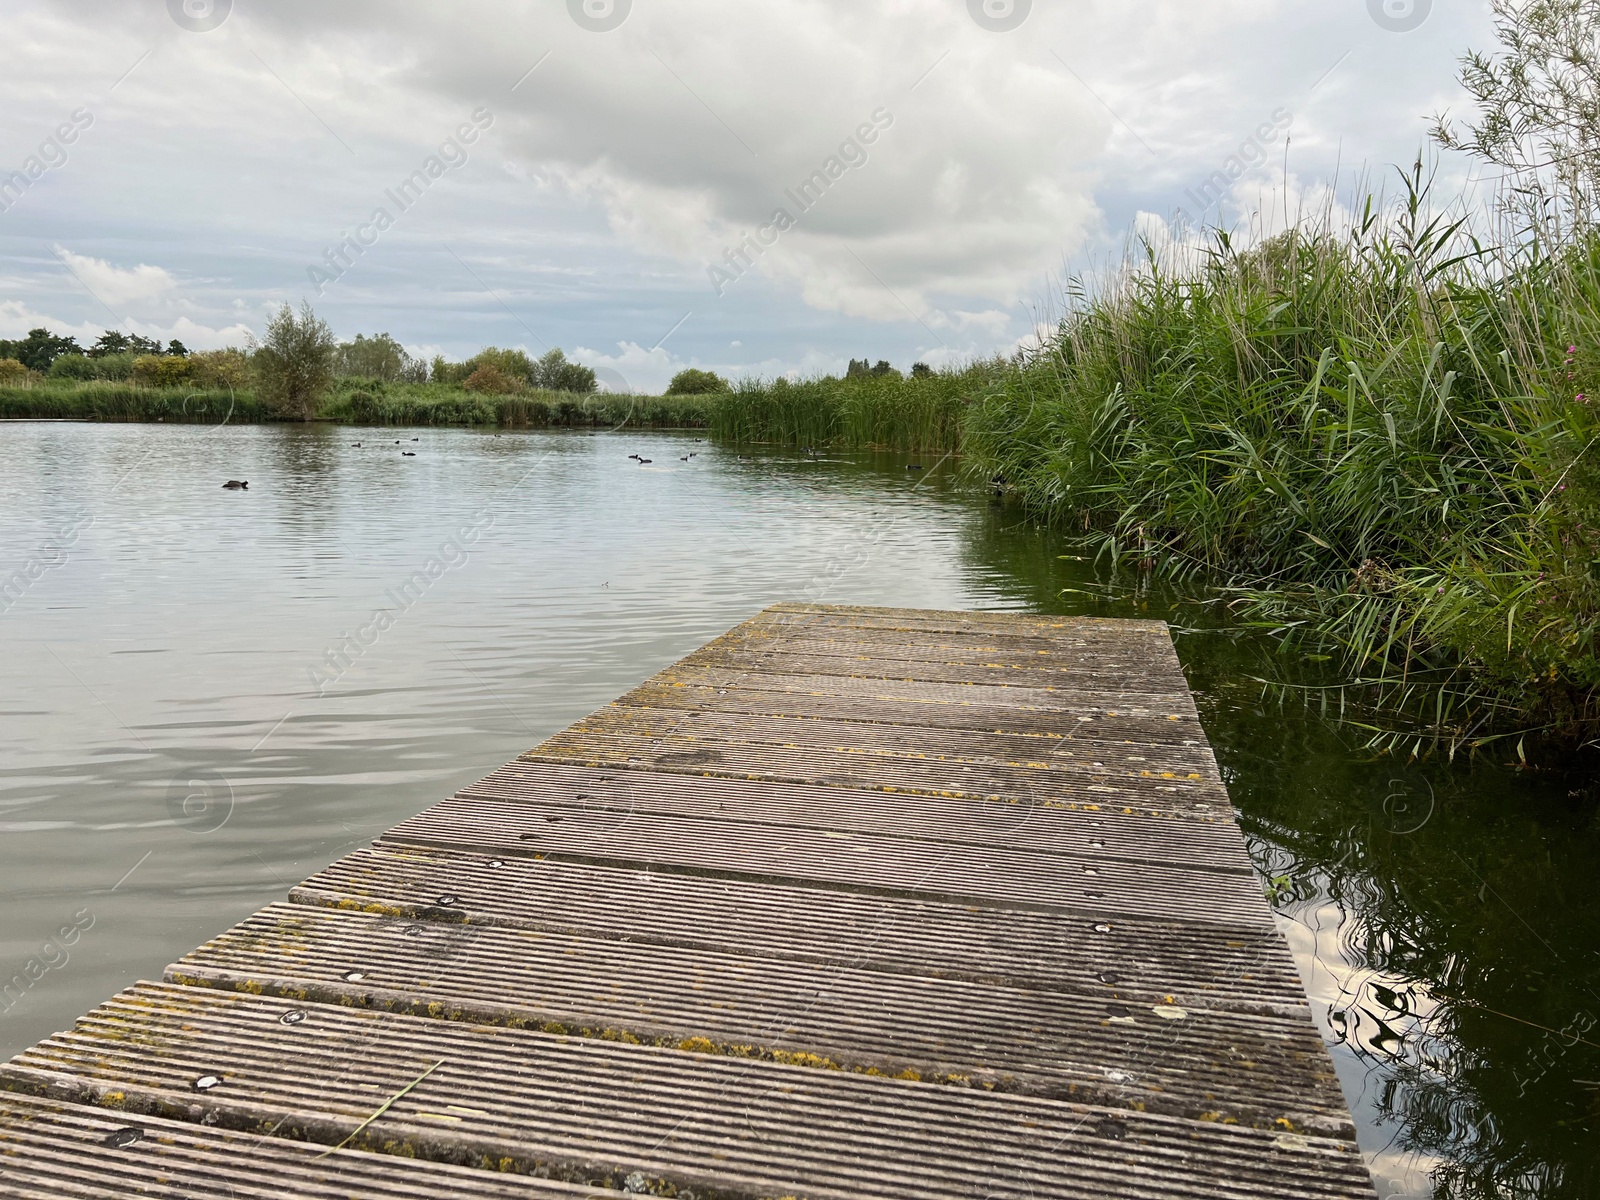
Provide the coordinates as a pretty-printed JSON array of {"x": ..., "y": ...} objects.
[
  {"x": 118, "y": 287},
  {"x": 628, "y": 162}
]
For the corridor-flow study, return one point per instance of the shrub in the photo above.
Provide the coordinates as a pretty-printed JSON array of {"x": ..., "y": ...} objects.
[
  {"x": 160, "y": 370},
  {"x": 228, "y": 368},
  {"x": 694, "y": 382},
  {"x": 74, "y": 366},
  {"x": 513, "y": 364},
  {"x": 293, "y": 364},
  {"x": 490, "y": 380},
  {"x": 13, "y": 373}
]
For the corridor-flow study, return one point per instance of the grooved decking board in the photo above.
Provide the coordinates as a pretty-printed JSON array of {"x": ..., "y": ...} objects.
[
  {"x": 606, "y": 796},
  {"x": 847, "y": 903},
  {"x": 1061, "y": 700},
  {"x": 1131, "y": 725},
  {"x": 1136, "y": 961},
  {"x": 609, "y": 741},
  {"x": 54, "y": 1151},
  {"x": 580, "y": 1107},
  {"x": 892, "y": 866},
  {"x": 917, "y": 742},
  {"x": 1246, "y": 1068}
]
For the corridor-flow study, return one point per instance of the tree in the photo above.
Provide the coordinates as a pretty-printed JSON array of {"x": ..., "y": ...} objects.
[
  {"x": 556, "y": 373},
  {"x": 920, "y": 370},
  {"x": 39, "y": 349},
  {"x": 112, "y": 341},
  {"x": 293, "y": 363},
  {"x": 1538, "y": 101},
  {"x": 694, "y": 382},
  {"x": 177, "y": 349},
  {"x": 379, "y": 357}
]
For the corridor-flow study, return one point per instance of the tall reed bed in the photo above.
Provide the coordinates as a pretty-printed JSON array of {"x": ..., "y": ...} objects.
[
  {"x": 920, "y": 413},
  {"x": 1380, "y": 433},
  {"x": 105, "y": 401},
  {"x": 371, "y": 402}
]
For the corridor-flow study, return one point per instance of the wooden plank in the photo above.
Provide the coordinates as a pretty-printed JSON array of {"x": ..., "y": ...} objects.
[
  {"x": 1248, "y": 1069},
  {"x": 55, "y": 1151},
  {"x": 1143, "y": 962},
  {"x": 666, "y": 740},
  {"x": 577, "y": 1108},
  {"x": 1098, "y": 831},
  {"x": 919, "y": 742},
  {"x": 1111, "y": 722},
  {"x": 1050, "y": 699},
  {"x": 863, "y": 862}
]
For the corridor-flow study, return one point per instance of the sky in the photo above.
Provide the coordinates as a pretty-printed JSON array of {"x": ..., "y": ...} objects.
[{"x": 755, "y": 189}]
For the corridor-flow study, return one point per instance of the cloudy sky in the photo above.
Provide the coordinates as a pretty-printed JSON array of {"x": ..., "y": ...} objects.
[{"x": 607, "y": 176}]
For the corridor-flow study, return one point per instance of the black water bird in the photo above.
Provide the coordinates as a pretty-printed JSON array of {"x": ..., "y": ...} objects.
[
  {"x": 642, "y": 461},
  {"x": 685, "y": 458},
  {"x": 237, "y": 485},
  {"x": 408, "y": 454},
  {"x": 915, "y": 467}
]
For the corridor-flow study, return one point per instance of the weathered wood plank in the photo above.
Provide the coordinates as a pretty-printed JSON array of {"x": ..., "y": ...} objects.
[
  {"x": 893, "y": 866},
  {"x": 580, "y": 1108},
  {"x": 1097, "y": 830},
  {"x": 1138, "y": 961},
  {"x": 55, "y": 1151},
  {"x": 1245, "y": 1068}
]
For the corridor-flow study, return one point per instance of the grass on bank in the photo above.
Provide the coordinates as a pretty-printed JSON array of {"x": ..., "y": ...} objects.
[
  {"x": 919, "y": 413},
  {"x": 1382, "y": 436},
  {"x": 356, "y": 401}
]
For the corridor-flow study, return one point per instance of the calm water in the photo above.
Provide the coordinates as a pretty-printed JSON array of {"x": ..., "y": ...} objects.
[{"x": 180, "y": 746}]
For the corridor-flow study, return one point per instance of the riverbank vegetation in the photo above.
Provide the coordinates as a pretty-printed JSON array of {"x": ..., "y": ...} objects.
[{"x": 1377, "y": 431}]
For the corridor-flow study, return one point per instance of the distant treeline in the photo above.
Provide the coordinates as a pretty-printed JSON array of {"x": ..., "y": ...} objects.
[{"x": 299, "y": 371}]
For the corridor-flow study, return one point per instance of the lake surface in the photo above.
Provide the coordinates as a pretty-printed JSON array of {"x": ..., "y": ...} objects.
[{"x": 207, "y": 695}]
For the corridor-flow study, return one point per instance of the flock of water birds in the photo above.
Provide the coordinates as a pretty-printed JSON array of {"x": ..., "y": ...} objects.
[{"x": 241, "y": 485}]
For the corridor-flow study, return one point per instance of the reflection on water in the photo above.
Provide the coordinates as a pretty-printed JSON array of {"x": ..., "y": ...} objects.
[{"x": 208, "y": 694}]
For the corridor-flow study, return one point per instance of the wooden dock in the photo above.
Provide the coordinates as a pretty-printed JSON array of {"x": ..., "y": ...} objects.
[{"x": 849, "y": 903}]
